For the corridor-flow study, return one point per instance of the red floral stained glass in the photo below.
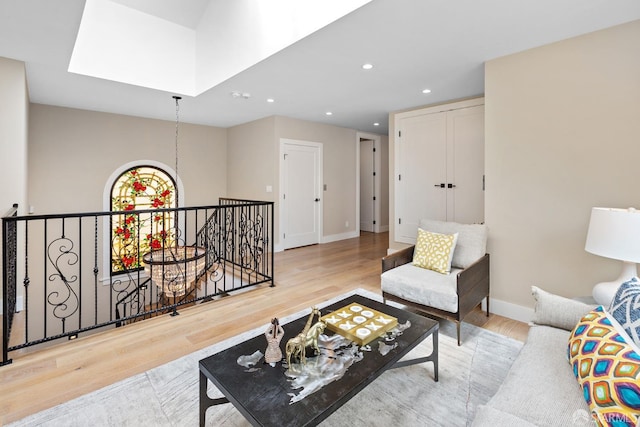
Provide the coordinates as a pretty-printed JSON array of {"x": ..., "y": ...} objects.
[{"x": 134, "y": 234}]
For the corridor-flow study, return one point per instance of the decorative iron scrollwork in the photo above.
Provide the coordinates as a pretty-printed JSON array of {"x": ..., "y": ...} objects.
[
  {"x": 251, "y": 241},
  {"x": 64, "y": 299},
  {"x": 11, "y": 272},
  {"x": 236, "y": 237}
]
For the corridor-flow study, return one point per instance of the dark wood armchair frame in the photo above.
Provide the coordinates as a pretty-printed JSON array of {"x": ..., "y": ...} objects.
[{"x": 472, "y": 282}]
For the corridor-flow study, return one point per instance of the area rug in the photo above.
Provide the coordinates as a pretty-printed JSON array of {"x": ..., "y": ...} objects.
[{"x": 168, "y": 395}]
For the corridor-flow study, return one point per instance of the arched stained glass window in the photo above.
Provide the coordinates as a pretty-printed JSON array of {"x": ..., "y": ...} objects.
[{"x": 132, "y": 234}]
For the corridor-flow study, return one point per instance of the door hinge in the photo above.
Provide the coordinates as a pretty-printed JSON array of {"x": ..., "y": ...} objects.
[
  {"x": 374, "y": 149},
  {"x": 399, "y": 177},
  {"x": 374, "y": 174},
  {"x": 284, "y": 196},
  {"x": 374, "y": 197},
  {"x": 284, "y": 235},
  {"x": 399, "y": 220},
  {"x": 483, "y": 182},
  {"x": 374, "y": 223},
  {"x": 399, "y": 133}
]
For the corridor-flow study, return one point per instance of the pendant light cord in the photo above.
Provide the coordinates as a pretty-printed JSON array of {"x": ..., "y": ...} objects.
[{"x": 177, "y": 98}]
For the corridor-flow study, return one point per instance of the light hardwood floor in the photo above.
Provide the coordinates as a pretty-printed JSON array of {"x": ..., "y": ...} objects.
[{"x": 304, "y": 277}]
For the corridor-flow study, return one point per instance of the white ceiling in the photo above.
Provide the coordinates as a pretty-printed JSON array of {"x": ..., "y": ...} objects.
[
  {"x": 126, "y": 45},
  {"x": 413, "y": 44},
  {"x": 185, "y": 13}
]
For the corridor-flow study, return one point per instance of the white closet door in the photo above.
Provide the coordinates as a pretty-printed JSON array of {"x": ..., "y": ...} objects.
[
  {"x": 465, "y": 165},
  {"x": 420, "y": 170}
]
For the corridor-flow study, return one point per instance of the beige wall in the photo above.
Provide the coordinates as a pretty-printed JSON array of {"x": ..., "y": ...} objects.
[
  {"x": 14, "y": 109},
  {"x": 252, "y": 159},
  {"x": 13, "y": 135},
  {"x": 562, "y": 135},
  {"x": 72, "y": 154},
  {"x": 81, "y": 149},
  {"x": 253, "y": 164},
  {"x": 339, "y": 169}
]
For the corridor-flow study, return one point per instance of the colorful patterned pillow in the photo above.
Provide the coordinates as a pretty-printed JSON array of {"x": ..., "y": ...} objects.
[
  {"x": 607, "y": 368},
  {"x": 625, "y": 308},
  {"x": 434, "y": 251}
]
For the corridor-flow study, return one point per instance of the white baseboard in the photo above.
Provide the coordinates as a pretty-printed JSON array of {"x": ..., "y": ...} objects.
[
  {"x": 341, "y": 236},
  {"x": 325, "y": 239},
  {"x": 510, "y": 310}
]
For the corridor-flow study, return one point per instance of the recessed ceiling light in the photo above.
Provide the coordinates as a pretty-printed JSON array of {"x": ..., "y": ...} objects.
[
  {"x": 270, "y": 100},
  {"x": 376, "y": 124},
  {"x": 367, "y": 66},
  {"x": 329, "y": 113},
  {"x": 426, "y": 90}
]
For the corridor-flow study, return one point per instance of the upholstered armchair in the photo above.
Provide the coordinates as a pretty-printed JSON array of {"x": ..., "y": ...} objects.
[{"x": 449, "y": 296}]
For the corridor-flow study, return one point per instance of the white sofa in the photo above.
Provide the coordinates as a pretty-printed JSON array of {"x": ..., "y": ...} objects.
[{"x": 540, "y": 388}]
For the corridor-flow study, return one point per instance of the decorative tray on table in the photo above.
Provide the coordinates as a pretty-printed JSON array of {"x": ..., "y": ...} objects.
[{"x": 358, "y": 323}]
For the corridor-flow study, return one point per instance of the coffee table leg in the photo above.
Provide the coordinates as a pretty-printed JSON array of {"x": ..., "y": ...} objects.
[
  {"x": 434, "y": 355},
  {"x": 205, "y": 401}
]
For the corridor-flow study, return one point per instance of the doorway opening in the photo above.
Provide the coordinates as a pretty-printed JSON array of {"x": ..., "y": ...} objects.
[{"x": 370, "y": 205}]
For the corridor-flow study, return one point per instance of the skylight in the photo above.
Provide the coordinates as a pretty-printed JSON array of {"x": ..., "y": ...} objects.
[{"x": 117, "y": 41}]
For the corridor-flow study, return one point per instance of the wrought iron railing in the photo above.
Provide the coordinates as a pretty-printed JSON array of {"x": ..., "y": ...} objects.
[
  {"x": 9, "y": 282},
  {"x": 68, "y": 286}
]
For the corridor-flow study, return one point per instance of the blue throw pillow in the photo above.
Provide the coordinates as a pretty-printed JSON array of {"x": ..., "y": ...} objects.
[{"x": 625, "y": 308}]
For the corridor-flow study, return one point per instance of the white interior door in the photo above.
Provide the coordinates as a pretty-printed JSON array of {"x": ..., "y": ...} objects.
[
  {"x": 367, "y": 185},
  {"x": 466, "y": 132},
  {"x": 301, "y": 206},
  {"x": 421, "y": 168}
]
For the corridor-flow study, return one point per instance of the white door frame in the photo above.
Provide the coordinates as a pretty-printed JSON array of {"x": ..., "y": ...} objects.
[
  {"x": 377, "y": 185},
  {"x": 320, "y": 180}
]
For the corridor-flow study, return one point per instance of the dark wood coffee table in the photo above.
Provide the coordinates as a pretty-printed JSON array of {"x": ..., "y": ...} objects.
[{"x": 262, "y": 396}]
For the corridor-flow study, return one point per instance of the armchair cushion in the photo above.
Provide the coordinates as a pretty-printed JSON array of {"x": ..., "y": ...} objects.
[
  {"x": 434, "y": 251},
  {"x": 471, "y": 244},
  {"x": 425, "y": 287}
]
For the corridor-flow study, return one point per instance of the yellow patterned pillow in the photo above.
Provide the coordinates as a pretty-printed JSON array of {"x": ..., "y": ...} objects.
[
  {"x": 608, "y": 369},
  {"x": 434, "y": 251}
]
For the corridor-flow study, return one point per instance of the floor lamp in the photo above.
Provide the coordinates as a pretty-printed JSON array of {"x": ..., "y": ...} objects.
[{"x": 614, "y": 233}]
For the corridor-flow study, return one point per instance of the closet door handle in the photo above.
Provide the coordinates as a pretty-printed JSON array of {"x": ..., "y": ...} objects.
[
  {"x": 441, "y": 185},
  {"x": 451, "y": 186}
]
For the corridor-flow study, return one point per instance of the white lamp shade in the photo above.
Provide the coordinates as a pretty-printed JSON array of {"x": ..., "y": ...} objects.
[{"x": 614, "y": 233}]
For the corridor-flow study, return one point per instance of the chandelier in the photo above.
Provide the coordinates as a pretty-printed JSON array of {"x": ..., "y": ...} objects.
[{"x": 174, "y": 269}]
